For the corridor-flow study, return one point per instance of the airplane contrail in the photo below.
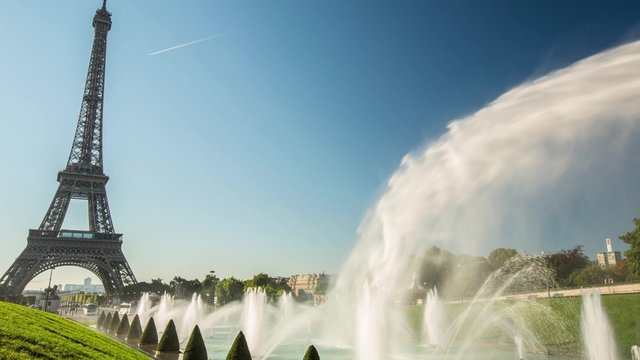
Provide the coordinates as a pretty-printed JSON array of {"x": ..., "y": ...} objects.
[{"x": 186, "y": 44}]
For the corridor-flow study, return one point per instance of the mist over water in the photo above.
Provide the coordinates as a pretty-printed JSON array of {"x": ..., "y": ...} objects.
[{"x": 483, "y": 179}]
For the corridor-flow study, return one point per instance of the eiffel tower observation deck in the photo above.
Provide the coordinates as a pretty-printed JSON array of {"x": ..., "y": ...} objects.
[{"x": 99, "y": 249}]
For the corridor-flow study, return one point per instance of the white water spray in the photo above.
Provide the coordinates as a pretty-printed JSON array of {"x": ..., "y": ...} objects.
[
  {"x": 434, "y": 321},
  {"x": 459, "y": 190},
  {"x": 519, "y": 346},
  {"x": 253, "y": 317},
  {"x": 597, "y": 333}
]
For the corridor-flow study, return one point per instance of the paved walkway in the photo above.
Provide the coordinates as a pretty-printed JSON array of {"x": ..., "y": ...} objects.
[{"x": 604, "y": 290}]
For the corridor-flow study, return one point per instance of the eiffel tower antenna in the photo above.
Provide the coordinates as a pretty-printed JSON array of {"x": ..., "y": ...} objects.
[{"x": 98, "y": 250}]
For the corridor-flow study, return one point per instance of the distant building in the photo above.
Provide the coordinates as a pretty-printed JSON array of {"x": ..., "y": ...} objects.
[
  {"x": 303, "y": 284},
  {"x": 305, "y": 287},
  {"x": 609, "y": 257},
  {"x": 86, "y": 287}
]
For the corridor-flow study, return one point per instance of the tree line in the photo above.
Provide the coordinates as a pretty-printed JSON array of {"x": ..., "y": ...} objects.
[
  {"x": 463, "y": 275},
  {"x": 210, "y": 288}
]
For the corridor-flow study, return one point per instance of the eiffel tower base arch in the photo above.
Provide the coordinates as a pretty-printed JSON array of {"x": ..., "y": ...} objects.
[{"x": 100, "y": 254}]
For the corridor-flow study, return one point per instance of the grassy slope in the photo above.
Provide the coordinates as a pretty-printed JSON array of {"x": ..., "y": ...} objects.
[
  {"x": 28, "y": 334},
  {"x": 623, "y": 312}
]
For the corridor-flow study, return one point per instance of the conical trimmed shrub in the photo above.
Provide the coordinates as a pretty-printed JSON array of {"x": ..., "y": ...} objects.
[
  {"x": 135, "y": 330},
  {"x": 105, "y": 324},
  {"x": 123, "y": 327},
  {"x": 195, "y": 349},
  {"x": 169, "y": 341},
  {"x": 101, "y": 320},
  {"x": 239, "y": 349},
  {"x": 115, "y": 322},
  {"x": 149, "y": 335},
  {"x": 311, "y": 354}
]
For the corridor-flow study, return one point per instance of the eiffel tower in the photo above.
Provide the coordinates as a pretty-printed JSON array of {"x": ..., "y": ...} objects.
[{"x": 98, "y": 250}]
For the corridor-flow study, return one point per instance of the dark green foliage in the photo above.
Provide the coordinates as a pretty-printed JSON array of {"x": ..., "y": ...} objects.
[
  {"x": 123, "y": 327},
  {"x": 498, "y": 257},
  {"x": 133, "y": 292},
  {"x": 105, "y": 324},
  {"x": 229, "y": 289},
  {"x": 169, "y": 341},
  {"x": 195, "y": 349},
  {"x": 239, "y": 349},
  {"x": 150, "y": 334},
  {"x": 633, "y": 254},
  {"x": 115, "y": 322},
  {"x": 590, "y": 275},
  {"x": 209, "y": 285},
  {"x": 135, "y": 330},
  {"x": 101, "y": 319},
  {"x": 567, "y": 262},
  {"x": 436, "y": 266},
  {"x": 311, "y": 354},
  {"x": 182, "y": 288},
  {"x": 273, "y": 287}
]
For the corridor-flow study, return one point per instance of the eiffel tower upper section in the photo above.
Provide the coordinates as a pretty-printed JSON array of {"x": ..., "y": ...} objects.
[{"x": 83, "y": 177}]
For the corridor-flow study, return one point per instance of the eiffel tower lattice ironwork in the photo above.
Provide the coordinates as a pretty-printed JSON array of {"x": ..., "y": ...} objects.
[{"x": 98, "y": 250}]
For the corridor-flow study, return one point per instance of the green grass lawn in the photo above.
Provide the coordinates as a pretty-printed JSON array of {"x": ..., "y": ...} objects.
[
  {"x": 29, "y": 334},
  {"x": 623, "y": 312}
]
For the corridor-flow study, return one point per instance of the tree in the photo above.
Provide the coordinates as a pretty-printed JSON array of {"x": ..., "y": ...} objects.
[
  {"x": 499, "y": 256},
  {"x": 239, "y": 349},
  {"x": 209, "y": 285},
  {"x": 273, "y": 287},
  {"x": 590, "y": 275},
  {"x": 620, "y": 272},
  {"x": 113, "y": 325},
  {"x": 105, "y": 324},
  {"x": 135, "y": 330},
  {"x": 135, "y": 291},
  {"x": 169, "y": 341},
  {"x": 311, "y": 354},
  {"x": 123, "y": 327},
  {"x": 633, "y": 254},
  {"x": 195, "y": 349},
  {"x": 436, "y": 266},
  {"x": 259, "y": 280},
  {"x": 229, "y": 289},
  {"x": 183, "y": 288},
  {"x": 566, "y": 262},
  {"x": 149, "y": 335}
]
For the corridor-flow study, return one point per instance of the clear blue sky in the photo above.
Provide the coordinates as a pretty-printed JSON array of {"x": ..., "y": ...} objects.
[{"x": 261, "y": 149}]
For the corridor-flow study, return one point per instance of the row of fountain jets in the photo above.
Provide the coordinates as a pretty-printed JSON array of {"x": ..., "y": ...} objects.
[{"x": 257, "y": 318}]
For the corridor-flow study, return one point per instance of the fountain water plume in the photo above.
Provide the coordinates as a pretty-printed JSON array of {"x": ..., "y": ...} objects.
[
  {"x": 635, "y": 352},
  {"x": 144, "y": 308},
  {"x": 519, "y": 346},
  {"x": 434, "y": 320},
  {"x": 253, "y": 317},
  {"x": 287, "y": 307},
  {"x": 461, "y": 188},
  {"x": 193, "y": 314},
  {"x": 596, "y": 329}
]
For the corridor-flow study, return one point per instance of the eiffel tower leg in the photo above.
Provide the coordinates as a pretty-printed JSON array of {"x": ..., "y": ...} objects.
[
  {"x": 54, "y": 217},
  {"x": 99, "y": 215}
]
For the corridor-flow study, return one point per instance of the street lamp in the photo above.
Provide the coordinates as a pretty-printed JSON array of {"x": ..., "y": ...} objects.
[
  {"x": 46, "y": 301},
  {"x": 462, "y": 281}
]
